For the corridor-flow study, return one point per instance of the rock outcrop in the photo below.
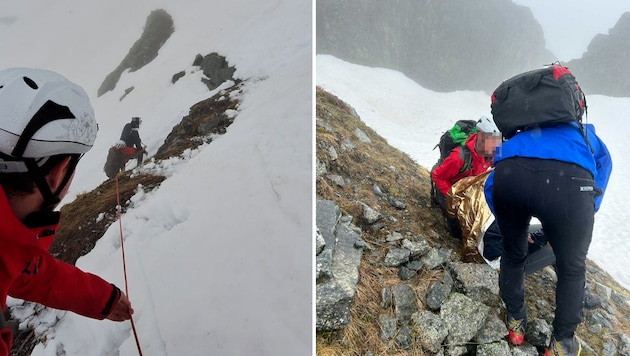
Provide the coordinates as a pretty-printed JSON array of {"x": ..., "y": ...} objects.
[{"x": 442, "y": 45}]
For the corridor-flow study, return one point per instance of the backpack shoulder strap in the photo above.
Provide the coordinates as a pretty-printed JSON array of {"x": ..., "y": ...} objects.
[{"x": 465, "y": 156}]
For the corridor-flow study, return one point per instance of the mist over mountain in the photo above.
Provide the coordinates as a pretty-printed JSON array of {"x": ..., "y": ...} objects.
[
  {"x": 603, "y": 69},
  {"x": 442, "y": 45}
]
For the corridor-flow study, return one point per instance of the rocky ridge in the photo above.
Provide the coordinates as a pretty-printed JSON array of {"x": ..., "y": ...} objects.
[{"x": 391, "y": 280}]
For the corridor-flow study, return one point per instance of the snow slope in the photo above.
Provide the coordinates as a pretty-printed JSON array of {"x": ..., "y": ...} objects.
[
  {"x": 219, "y": 257},
  {"x": 412, "y": 119}
]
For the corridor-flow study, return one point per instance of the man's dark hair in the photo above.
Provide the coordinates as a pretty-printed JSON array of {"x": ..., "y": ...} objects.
[{"x": 20, "y": 184}]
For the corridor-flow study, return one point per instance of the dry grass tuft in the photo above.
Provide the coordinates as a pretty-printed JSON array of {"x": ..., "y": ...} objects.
[{"x": 79, "y": 230}]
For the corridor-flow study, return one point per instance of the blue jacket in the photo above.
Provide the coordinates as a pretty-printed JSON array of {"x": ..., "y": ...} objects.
[{"x": 568, "y": 146}]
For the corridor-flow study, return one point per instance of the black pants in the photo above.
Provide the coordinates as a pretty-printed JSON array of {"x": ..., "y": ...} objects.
[
  {"x": 561, "y": 196},
  {"x": 538, "y": 256}
]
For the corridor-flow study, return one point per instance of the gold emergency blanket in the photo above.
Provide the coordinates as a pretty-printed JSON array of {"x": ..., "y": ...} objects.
[{"x": 466, "y": 202}]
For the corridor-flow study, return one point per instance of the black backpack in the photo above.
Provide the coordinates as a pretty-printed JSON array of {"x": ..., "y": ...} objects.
[
  {"x": 541, "y": 97},
  {"x": 455, "y": 137}
]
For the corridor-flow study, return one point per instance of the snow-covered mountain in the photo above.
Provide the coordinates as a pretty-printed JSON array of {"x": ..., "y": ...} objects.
[{"x": 219, "y": 256}]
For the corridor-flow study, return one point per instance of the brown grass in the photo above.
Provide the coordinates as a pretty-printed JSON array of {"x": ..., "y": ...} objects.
[{"x": 79, "y": 230}]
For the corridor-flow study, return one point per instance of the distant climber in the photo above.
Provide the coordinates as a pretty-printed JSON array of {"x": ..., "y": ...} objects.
[{"x": 128, "y": 147}]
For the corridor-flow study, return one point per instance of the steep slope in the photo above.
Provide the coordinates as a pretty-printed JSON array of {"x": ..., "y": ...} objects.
[{"x": 425, "y": 302}]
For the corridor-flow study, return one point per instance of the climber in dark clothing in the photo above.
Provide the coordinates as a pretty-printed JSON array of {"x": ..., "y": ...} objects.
[{"x": 131, "y": 137}]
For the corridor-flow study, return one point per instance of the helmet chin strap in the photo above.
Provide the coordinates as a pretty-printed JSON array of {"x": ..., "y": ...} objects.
[{"x": 51, "y": 200}]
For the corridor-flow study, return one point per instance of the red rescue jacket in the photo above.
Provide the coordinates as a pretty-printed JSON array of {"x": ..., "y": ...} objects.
[
  {"x": 29, "y": 272},
  {"x": 447, "y": 173}
]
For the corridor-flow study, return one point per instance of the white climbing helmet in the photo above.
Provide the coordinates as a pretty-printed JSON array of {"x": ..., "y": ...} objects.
[
  {"x": 486, "y": 124},
  {"x": 42, "y": 114}
]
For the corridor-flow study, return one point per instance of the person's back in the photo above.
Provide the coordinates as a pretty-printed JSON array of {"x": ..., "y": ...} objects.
[
  {"x": 556, "y": 172},
  {"x": 131, "y": 138},
  {"x": 130, "y": 133}
]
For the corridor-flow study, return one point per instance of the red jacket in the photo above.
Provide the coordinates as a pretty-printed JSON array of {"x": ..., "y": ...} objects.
[
  {"x": 28, "y": 271},
  {"x": 447, "y": 173}
]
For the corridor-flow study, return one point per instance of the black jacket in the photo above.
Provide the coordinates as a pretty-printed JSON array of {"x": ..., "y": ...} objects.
[{"x": 131, "y": 136}]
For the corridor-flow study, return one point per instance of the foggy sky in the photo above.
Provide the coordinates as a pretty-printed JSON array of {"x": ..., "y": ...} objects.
[{"x": 570, "y": 25}]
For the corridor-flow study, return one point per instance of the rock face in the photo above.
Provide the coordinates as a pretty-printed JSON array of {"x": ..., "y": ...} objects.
[
  {"x": 442, "y": 45},
  {"x": 337, "y": 267},
  {"x": 157, "y": 29},
  {"x": 603, "y": 69}
]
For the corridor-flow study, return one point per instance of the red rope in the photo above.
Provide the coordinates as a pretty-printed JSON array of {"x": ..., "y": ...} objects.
[{"x": 122, "y": 248}]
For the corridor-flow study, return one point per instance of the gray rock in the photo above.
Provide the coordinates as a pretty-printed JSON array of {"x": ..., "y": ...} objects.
[
  {"x": 337, "y": 179},
  {"x": 416, "y": 248},
  {"x": 320, "y": 168},
  {"x": 396, "y": 203},
  {"x": 433, "y": 259},
  {"x": 498, "y": 348},
  {"x": 405, "y": 273},
  {"x": 332, "y": 153},
  {"x": 493, "y": 330},
  {"x": 323, "y": 124},
  {"x": 362, "y": 136},
  {"x": 404, "y": 339},
  {"x": 394, "y": 236},
  {"x": 323, "y": 263},
  {"x": 524, "y": 350},
  {"x": 439, "y": 291},
  {"x": 319, "y": 242},
  {"x": 624, "y": 344},
  {"x": 414, "y": 265},
  {"x": 594, "y": 329},
  {"x": 396, "y": 257},
  {"x": 618, "y": 298},
  {"x": 477, "y": 281},
  {"x": 377, "y": 190},
  {"x": 346, "y": 145},
  {"x": 333, "y": 307},
  {"x": 431, "y": 330},
  {"x": 334, "y": 294},
  {"x": 326, "y": 218},
  {"x": 388, "y": 327},
  {"x": 464, "y": 317},
  {"x": 370, "y": 215},
  {"x": 601, "y": 319},
  {"x": 609, "y": 348},
  {"x": 604, "y": 292},
  {"x": 404, "y": 303},
  {"x": 538, "y": 332},
  {"x": 387, "y": 299}
]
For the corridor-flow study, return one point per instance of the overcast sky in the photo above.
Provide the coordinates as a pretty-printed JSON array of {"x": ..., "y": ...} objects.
[{"x": 570, "y": 25}]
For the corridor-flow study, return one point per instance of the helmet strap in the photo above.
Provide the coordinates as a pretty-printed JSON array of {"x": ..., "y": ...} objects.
[{"x": 50, "y": 199}]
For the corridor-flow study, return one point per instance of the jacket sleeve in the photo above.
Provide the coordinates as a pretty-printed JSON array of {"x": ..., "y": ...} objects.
[
  {"x": 445, "y": 173},
  {"x": 63, "y": 286},
  {"x": 487, "y": 190},
  {"x": 603, "y": 164}
]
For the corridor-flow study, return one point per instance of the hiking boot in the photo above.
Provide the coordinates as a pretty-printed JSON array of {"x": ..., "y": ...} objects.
[
  {"x": 516, "y": 329},
  {"x": 566, "y": 347}
]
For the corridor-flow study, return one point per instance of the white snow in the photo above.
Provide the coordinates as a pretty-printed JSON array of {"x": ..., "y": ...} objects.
[
  {"x": 412, "y": 119},
  {"x": 219, "y": 257}
]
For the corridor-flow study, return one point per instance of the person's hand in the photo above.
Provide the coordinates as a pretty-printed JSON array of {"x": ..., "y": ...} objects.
[{"x": 122, "y": 310}]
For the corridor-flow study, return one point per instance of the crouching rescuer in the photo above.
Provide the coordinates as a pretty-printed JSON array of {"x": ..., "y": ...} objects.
[{"x": 46, "y": 125}]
